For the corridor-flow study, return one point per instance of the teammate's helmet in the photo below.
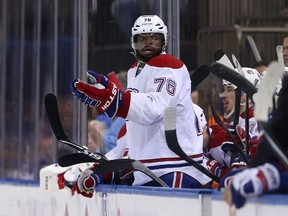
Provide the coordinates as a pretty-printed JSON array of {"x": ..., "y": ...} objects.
[
  {"x": 253, "y": 76},
  {"x": 249, "y": 73},
  {"x": 227, "y": 83},
  {"x": 148, "y": 24}
]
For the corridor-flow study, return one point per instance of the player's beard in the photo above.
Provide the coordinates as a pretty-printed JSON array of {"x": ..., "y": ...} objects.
[{"x": 146, "y": 59}]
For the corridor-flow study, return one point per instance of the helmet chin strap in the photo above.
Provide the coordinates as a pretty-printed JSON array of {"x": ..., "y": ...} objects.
[
  {"x": 228, "y": 115},
  {"x": 244, "y": 103},
  {"x": 137, "y": 58}
]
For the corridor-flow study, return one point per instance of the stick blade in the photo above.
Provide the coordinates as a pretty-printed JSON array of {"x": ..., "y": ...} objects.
[
  {"x": 264, "y": 106},
  {"x": 254, "y": 48},
  {"x": 221, "y": 57},
  {"x": 75, "y": 158},
  {"x": 137, "y": 165},
  {"x": 218, "y": 54},
  {"x": 51, "y": 107},
  {"x": 237, "y": 65},
  {"x": 199, "y": 75},
  {"x": 224, "y": 72},
  {"x": 170, "y": 119},
  {"x": 170, "y": 130}
]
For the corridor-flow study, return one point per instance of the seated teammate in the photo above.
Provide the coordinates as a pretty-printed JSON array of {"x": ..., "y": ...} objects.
[{"x": 266, "y": 173}]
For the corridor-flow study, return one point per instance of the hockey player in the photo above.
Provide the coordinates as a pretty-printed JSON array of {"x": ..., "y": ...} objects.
[
  {"x": 155, "y": 82},
  {"x": 254, "y": 77},
  {"x": 228, "y": 96},
  {"x": 228, "y": 100},
  {"x": 266, "y": 172},
  {"x": 223, "y": 155}
]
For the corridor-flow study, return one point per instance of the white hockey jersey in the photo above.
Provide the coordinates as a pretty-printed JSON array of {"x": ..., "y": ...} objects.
[
  {"x": 253, "y": 124},
  {"x": 163, "y": 82}
]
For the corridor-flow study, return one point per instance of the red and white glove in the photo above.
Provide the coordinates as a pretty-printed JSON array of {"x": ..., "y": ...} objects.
[
  {"x": 71, "y": 176},
  {"x": 87, "y": 181},
  {"x": 219, "y": 137},
  {"x": 254, "y": 182},
  {"x": 102, "y": 94},
  {"x": 216, "y": 168}
]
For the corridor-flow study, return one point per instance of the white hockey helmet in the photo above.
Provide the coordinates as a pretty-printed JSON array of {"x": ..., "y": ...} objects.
[
  {"x": 148, "y": 24},
  {"x": 253, "y": 76},
  {"x": 227, "y": 83}
]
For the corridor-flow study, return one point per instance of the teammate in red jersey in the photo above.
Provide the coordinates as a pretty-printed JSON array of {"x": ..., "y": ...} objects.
[{"x": 223, "y": 155}]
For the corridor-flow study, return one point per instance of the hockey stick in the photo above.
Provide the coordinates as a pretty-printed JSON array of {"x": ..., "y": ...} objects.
[
  {"x": 275, "y": 146},
  {"x": 221, "y": 57},
  {"x": 173, "y": 145},
  {"x": 279, "y": 51},
  {"x": 108, "y": 166},
  {"x": 221, "y": 123},
  {"x": 237, "y": 65},
  {"x": 55, "y": 122},
  {"x": 199, "y": 75},
  {"x": 224, "y": 72},
  {"x": 238, "y": 130},
  {"x": 264, "y": 105},
  {"x": 240, "y": 71},
  {"x": 75, "y": 158},
  {"x": 56, "y": 125},
  {"x": 242, "y": 83},
  {"x": 254, "y": 48}
]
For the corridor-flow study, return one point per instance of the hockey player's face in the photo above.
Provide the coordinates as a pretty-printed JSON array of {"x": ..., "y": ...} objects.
[
  {"x": 149, "y": 45},
  {"x": 285, "y": 51},
  {"x": 228, "y": 96}
]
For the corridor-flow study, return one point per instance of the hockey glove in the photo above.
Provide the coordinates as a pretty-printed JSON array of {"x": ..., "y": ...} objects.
[
  {"x": 219, "y": 137},
  {"x": 102, "y": 94},
  {"x": 216, "y": 168},
  {"x": 72, "y": 174},
  {"x": 87, "y": 181},
  {"x": 254, "y": 182},
  {"x": 239, "y": 162}
]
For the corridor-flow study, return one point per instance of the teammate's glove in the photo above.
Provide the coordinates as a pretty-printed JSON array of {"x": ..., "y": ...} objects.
[
  {"x": 216, "y": 168},
  {"x": 254, "y": 182},
  {"x": 87, "y": 181},
  {"x": 102, "y": 94},
  {"x": 238, "y": 161},
  {"x": 219, "y": 136}
]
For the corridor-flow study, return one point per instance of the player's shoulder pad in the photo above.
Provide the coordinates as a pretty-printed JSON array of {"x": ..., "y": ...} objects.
[{"x": 165, "y": 60}]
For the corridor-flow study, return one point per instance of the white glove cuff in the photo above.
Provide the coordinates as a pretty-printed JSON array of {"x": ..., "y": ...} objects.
[{"x": 272, "y": 176}]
